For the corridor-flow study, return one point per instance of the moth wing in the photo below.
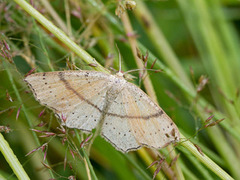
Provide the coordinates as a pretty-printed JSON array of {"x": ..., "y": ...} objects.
[
  {"x": 134, "y": 120},
  {"x": 76, "y": 96}
]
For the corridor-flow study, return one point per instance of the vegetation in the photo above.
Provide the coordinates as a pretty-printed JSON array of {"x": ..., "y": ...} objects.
[{"x": 196, "y": 46}]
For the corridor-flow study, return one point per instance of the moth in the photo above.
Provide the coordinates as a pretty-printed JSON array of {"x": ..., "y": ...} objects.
[{"x": 129, "y": 119}]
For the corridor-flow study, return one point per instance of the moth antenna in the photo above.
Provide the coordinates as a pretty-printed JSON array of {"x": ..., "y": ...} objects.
[
  {"x": 134, "y": 70},
  {"x": 119, "y": 59}
]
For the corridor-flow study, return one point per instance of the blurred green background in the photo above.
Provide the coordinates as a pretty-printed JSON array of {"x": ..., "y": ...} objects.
[{"x": 195, "y": 44}]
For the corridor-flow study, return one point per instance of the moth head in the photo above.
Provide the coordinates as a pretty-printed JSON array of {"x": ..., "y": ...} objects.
[{"x": 120, "y": 74}]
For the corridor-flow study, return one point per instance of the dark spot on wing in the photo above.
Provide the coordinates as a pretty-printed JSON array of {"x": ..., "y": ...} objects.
[
  {"x": 167, "y": 135},
  {"x": 173, "y": 132}
]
